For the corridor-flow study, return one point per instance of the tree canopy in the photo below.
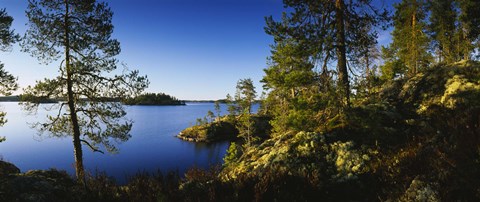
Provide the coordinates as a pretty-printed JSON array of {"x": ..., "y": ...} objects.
[
  {"x": 78, "y": 33},
  {"x": 8, "y": 83}
]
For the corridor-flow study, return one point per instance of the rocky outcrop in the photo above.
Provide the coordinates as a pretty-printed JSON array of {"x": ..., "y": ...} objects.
[
  {"x": 35, "y": 185},
  {"x": 7, "y": 168},
  {"x": 211, "y": 132},
  {"x": 224, "y": 129}
]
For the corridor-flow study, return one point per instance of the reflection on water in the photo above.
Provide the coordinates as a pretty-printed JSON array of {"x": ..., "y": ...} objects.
[
  {"x": 153, "y": 144},
  {"x": 213, "y": 151}
]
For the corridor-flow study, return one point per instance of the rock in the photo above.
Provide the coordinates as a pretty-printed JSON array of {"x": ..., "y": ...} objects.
[
  {"x": 224, "y": 129},
  {"x": 8, "y": 169},
  {"x": 37, "y": 185},
  {"x": 210, "y": 132}
]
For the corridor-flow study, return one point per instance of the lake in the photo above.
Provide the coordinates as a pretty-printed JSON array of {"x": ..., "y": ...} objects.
[{"x": 153, "y": 145}]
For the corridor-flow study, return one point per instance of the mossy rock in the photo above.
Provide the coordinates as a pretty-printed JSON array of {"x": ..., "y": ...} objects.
[
  {"x": 216, "y": 131},
  {"x": 300, "y": 152},
  {"x": 224, "y": 129},
  {"x": 38, "y": 185}
]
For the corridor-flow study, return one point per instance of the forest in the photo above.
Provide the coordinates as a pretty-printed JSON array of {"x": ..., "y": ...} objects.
[
  {"x": 341, "y": 117},
  {"x": 153, "y": 99}
]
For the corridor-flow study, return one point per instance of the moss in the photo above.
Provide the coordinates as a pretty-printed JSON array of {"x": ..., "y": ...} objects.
[
  {"x": 293, "y": 152},
  {"x": 209, "y": 132},
  {"x": 223, "y": 129}
]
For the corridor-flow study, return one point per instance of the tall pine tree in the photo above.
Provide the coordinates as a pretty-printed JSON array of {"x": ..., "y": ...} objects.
[
  {"x": 312, "y": 40},
  {"x": 410, "y": 42},
  {"x": 442, "y": 29},
  {"x": 79, "y": 33},
  {"x": 469, "y": 27}
]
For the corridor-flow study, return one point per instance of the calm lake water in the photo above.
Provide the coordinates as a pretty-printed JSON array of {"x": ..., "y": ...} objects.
[{"x": 153, "y": 144}]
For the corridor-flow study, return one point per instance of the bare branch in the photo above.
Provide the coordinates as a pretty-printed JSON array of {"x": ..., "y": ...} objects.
[{"x": 91, "y": 146}]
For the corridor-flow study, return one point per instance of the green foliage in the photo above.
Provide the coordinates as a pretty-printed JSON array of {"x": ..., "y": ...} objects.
[
  {"x": 290, "y": 79},
  {"x": 420, "y": 135},
  {"x": 417, "y": 142},
  {"x": 392, "y": 67},
  {"x": 315, "y": 33},
  {"x": 209, "y": 132},
  {"x": 211, "y": 116},
  {"x": 8, "y": 83},
  {"x": 232, "y": 154},
  {"x": 246, "y": 128},
  {"x": 153, "y": 99},
  {"x": 89, "y": 69},
  {"x": 217, "y": 108},
  {"x": 7, "y": 36},
  {"x": 232, "y": 108},
  {"x": 79, "y": 33},
  {"x": 299, "y": 77},
  {"x": 442, "y": 29},
  {"x": 410, "y": 43},
  {"x": 245, "y": 95},
  {"x": 469, "y": 29}
]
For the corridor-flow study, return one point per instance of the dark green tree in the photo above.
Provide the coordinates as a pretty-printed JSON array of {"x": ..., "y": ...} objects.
[
  {"x": 312, "y": 39},
  {"x": 442, "y": 29},
  {"x": 245, "y": 97},
  {"x": 410, "y": 42},
  {"x": 231, "y": 107},
  {"x": 217, "y": 108},
  {"x": 292, "y": 89},
  {"x": 469, "y": 27},
  {"x": 232, "y": 154},
  {"x": 210, "y": 116},
  {"x": 78, "y": 33},
  {"x": 330, "y": 31},
  {"x": 8, "y": 83},
  {"x": 392, "y": 65}
]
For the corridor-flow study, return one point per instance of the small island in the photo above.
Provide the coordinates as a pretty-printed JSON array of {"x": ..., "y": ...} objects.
[
  {"x": 224, "y": 128},
  {"x": 153, "y": 99}
]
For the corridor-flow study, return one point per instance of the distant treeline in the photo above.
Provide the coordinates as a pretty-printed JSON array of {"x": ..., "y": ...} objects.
[
  {"x": 144, "y": 99},
  {"x": 153, "y": 99},
  {"x": 13, "y": 98},
  {"x": 29, "y": 98}
]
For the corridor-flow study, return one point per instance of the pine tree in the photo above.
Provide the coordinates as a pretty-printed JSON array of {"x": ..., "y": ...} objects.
[
  {"x": 410, "y": 43},
  {"x": 232, "y": 154},
  {"x": 308, "y": 40},
  {"x": 217, "y": 109},
  {"x": 469, "y": 27},
  {"x": 8, "y": 83},
  {"x": 79, "y": 33},
  {"x": 290, "y": 81},
  {"x": 442, "y": 29},
  {"x": 245, "y": 97}
]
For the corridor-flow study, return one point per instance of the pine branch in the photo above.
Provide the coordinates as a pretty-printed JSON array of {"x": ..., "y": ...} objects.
[{"x": 92, "y": 147}]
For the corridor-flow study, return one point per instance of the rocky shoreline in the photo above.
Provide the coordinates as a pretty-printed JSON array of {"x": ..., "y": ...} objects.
[
  {"x": 210, "y": 132},
  {"x": 222, "y": 129},
  {"x": 36, "y": 185}
]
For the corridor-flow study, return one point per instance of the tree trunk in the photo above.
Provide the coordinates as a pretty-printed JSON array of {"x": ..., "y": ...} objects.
[
  {"x": 341, "y": 54},
  {"x": 77, "y": 145},
  {"x": 367, "y": 64},
  {"x": 466, "y": 53},
  {"x": 414, "y": 45}
]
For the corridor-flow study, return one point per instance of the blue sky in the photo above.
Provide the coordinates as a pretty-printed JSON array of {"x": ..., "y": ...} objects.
[{"x": 191, "y": 49}]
